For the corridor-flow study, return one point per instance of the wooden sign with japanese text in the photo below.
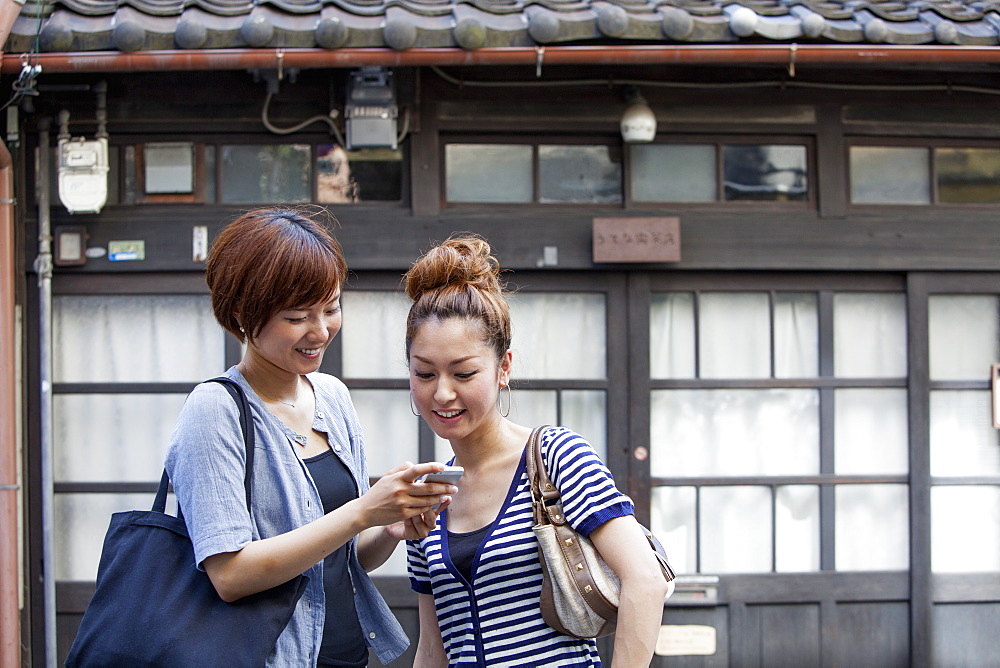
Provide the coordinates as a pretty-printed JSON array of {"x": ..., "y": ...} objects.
[{"x": 637, "y": 240}]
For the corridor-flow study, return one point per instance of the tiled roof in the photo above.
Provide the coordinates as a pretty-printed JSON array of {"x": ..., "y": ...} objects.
[{"x": 134, "y": 25}]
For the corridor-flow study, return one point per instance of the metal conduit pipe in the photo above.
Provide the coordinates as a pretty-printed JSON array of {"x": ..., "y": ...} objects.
[{"x": 692, "y": 54}]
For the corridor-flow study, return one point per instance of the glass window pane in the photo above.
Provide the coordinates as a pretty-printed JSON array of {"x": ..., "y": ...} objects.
[
  {"x": 771, "y": 173},
  {"x": 735, "y": 530},
  {"x": 372, "y": 335},
  {"x": 870, "y": 432},
  {"x": 965, "y": 529},
  {"x": 266, "y": 173},
  {"x": 488, "y": 173},
  {"x": 559, "y": 335},
  {"x": 81, "y": 522},
  {"x": 963, "y": 440},
  {"x": 890, "y": 175},
  {"x": 964, "y": 336},
  {"x": 796, "y": 517},
  {"x": 112, "y": 437},
  {"x": 968, "y": 175},
  {"x": 579, "y": 174},
  {"x": 169, "y": 167},
  {"x": 586, "y": 413},
  {"x": 722, "y": 355},
  {"x": 391, "y": 431},
  {"x": 796, "y": 335},
  {"x": 674, "y": 173},
  {"x": 734, "y": 432},
  {"x": 671, "y": 335},
  {"x": 672, "y": 519},
  {"x": 869, "y": 335},
  {"x": 147, "y": 338},
  {"x": 872, "y": 541},
  {"x": 363, "y": 175}
]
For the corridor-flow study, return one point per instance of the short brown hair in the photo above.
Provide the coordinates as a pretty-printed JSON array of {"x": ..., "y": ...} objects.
[{"x": 269, "y": 260}]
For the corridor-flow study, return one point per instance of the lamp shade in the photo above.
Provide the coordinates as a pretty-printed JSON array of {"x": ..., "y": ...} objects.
[{"x": 638, "y": 123}]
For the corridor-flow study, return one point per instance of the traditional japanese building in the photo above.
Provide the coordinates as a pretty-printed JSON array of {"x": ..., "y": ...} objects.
[{"x": 756, "y": 248}]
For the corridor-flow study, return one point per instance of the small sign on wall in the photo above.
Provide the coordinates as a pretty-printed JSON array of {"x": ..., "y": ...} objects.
[
  {"x": 686, "y": 640},
  {"x": 637, "y": 240}
]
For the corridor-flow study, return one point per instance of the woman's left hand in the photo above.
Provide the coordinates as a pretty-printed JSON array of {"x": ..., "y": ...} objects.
[{"x": 417, "y": 527}]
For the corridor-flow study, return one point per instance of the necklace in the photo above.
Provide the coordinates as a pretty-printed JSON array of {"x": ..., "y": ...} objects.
[
  {"x": 264, "y": 396},
  {"x": 287, "y": 403}
]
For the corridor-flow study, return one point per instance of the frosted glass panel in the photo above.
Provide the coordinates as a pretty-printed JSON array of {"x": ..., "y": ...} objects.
[
  {"x": 796, "y": 335},
  {"x": 672, "y": 515},
  {"x": 81, "y": 522},
  {"x": 395, "y": 565},
  {"x": 964, "y": 336},
  {"x": 559, "y": 335},
  {"x": 488, "y": 173},
  {"x": 870, "y": 432},
  {"x": 890, "y": 175},
  {"x": 266, "y": 173},
  {"x": 797, "y": 528},
  {"x": 760, "y": 172},
  {"x": 734, "y": 432},
  {"x": 391, "y": 431},
  {"x": 585, "y": 412},
  {"x": 169, "y": 167},
  {"x": 372, "y": 337},
  {"x": 112, "y": 437},
  {"x": 674, "y": 173},
  {"x": 579, "y": 174},
  {"x": 148, "y": 338},
  {"x": 735, "y": 530},
  {"x": 965, "y": 529},
  {"x": 968, "y": 175},
  {"x": 963, "y": 440},
  {"x": 671, "y": 335},
  {"x": 722, "y": 355},
  {"x": 871, "y": 527},
  {"x": 869, "y": 335}
]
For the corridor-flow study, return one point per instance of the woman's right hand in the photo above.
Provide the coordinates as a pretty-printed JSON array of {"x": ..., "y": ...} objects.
[{"x": 398, "y": 496}]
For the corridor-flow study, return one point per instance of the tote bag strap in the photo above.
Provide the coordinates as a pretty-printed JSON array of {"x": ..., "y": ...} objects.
[
  {"x": 246, "y": 426},
  {"x": 544, "y": 494}
]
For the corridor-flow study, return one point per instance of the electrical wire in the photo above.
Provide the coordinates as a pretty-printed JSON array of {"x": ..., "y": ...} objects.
[{"x": 777, "y": 83}]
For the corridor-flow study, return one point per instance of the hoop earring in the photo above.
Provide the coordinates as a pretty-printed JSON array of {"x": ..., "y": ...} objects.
[
  {"x": 413, "y": 407},
  {"x": 500, "y": 409}
]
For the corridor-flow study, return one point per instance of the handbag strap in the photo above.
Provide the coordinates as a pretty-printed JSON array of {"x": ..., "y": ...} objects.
[
  {"x": 545, "y": 497},
  {"x": 246, "y": 426}
]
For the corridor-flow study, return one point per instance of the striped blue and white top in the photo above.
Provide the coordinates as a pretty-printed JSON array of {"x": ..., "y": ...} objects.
[{"x": 495, "y": 619}]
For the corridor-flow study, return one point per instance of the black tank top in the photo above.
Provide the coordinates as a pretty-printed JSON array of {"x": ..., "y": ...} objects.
[{"x": 343, "y": 640}]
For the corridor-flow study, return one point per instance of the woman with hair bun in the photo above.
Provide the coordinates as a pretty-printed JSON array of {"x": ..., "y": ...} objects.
[
  {"x": 275, "y": 276},
  {"x": 477, "y": 572}
]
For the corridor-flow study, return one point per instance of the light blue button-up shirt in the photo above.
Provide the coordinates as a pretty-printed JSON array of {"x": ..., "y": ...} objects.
[{"x": 206, "y": 463}]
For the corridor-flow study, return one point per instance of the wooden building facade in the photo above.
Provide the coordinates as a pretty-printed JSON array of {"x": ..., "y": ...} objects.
[{"x": 795, "y": 383}]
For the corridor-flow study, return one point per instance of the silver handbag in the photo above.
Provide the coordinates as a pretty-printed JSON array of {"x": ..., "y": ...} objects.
[{"x": 580, "y": 592}]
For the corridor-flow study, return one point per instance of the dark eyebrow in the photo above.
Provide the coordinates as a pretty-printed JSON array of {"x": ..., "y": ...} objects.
[{"x": 458, "y": 361}]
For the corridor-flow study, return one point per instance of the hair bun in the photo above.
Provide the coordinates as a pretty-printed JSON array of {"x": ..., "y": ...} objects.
[{"x": 462, "y": 260}]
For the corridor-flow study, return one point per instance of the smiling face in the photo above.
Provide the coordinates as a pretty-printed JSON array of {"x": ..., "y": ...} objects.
[
  {"x": 455, "y": 377},
  {"x": 294, "y": 340}
]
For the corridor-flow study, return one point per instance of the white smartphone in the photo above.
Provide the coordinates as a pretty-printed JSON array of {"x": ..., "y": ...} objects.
[{"x": 450, "y": 476}]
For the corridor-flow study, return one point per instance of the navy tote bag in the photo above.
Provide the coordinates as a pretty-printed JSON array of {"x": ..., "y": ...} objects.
[{"x": 152, "y": 607}]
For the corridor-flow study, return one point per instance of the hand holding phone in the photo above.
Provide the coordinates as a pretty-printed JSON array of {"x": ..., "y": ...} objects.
[{"x": 450, "y": 476}]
